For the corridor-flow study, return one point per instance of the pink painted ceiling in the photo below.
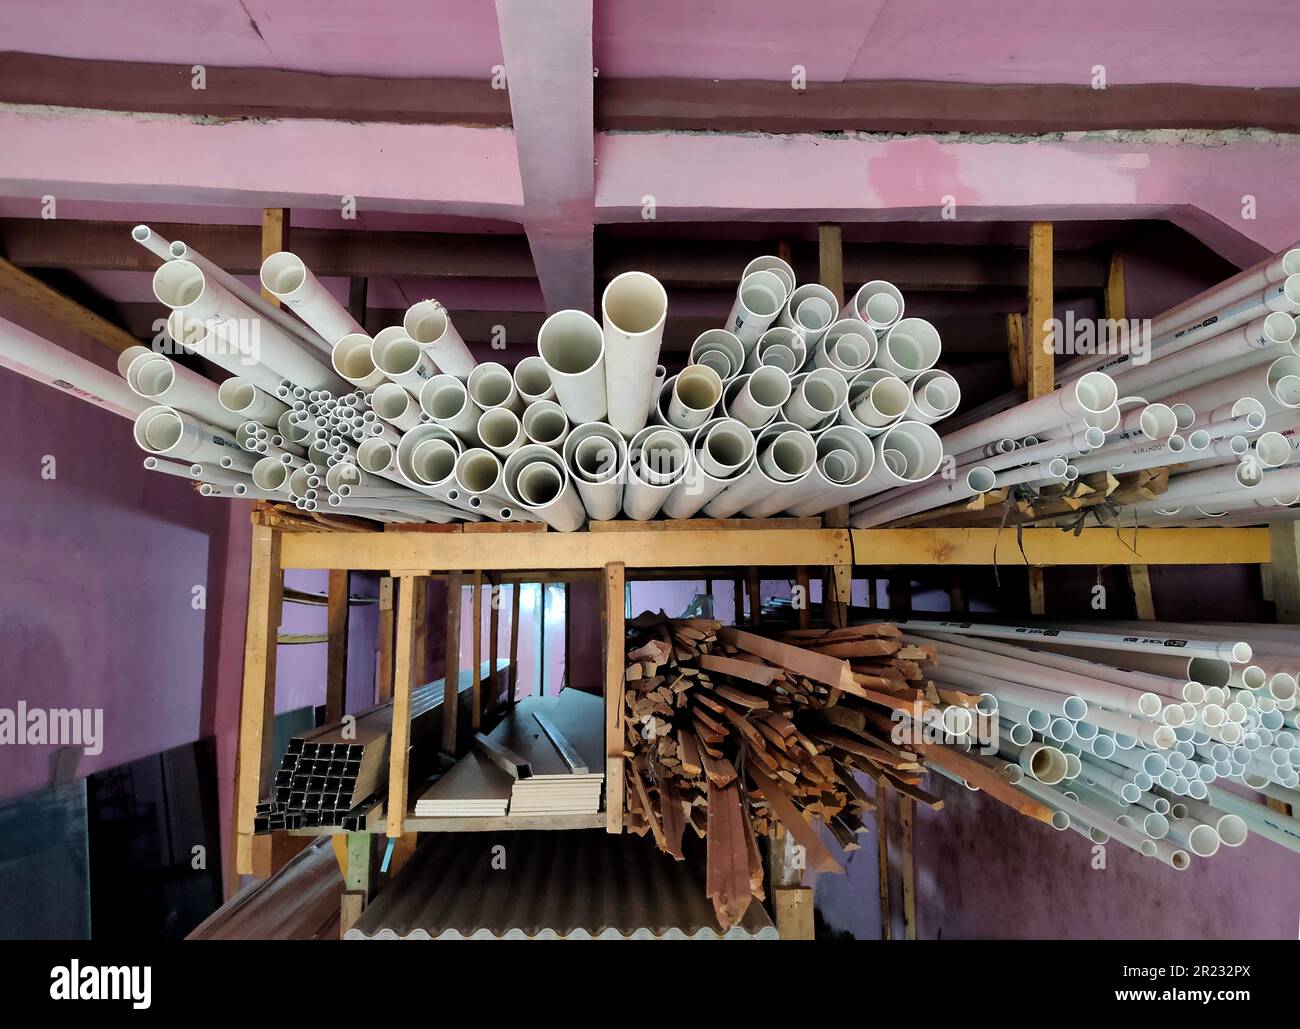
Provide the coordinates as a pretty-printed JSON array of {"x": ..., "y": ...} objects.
[{"x": 1243, "y": 42}]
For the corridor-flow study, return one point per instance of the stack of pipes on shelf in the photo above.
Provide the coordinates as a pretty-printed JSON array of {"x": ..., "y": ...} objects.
[
  {"x": 1162, "y": 737},
  {"x": 1200, "y": 415},
  {"x": 797, "y": 405}
]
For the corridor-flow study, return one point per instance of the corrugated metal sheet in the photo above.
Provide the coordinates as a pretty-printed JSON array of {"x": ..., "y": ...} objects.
[{"x": 577, "y": 884}]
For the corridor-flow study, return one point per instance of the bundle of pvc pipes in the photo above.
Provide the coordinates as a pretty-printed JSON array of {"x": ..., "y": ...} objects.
[
  {"x": 1167, "y": 738},
  {"x": 796, "y": 405},
  {"x": 1203, "y": 403}
]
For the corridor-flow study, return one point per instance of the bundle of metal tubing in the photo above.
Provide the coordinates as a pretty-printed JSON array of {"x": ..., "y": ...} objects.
[
  {"x": 1163, "y": 737},
  {"x": 798, "y": 404},
  {"x": 1210, "y": 392}
]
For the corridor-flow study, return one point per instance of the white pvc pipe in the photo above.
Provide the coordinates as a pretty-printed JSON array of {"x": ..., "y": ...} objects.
[
  {"x": 878, "y": 303},
  {"x": 633, "y": 308},
  {"x": 538, "y": 474},
  {"x": 1090, "y": 394},
  {"x": 161, "y": 381},
  {"x": 351, "y": 359},
  {"x": 492, "y": 385},
  {"x": 864, "y": 453},
  {"x": 401, "y": 359},
  {"x": 289, "y": 280},
  {"x": 719, "y": 341},
  {"x": 978, "y": 479},
  {"x": 758, "y": 397},
  {"x": 243, "y": 398},
  {"x": 166, "y": 432},
  {"x": 909, "y": 348},
  {"x": 197, "y": 337},
  {"x": 1277, "y": 383},
  {"x": 818, "y": 396},
  {"x": 848, "y": 346},
  {"x": 572, "y": 346},
  {"x": 935, "y": 395},
  {"x": 759, "y": 299},
  {"x": 445, "y": 399},
  {"x": 723, "y": 451},
  {"x": 877, "y": 399},
  {"x": 771, "y": 473},
  {"x": 596, "y": 457},
  {"x": 429, "y": 324},
  {"x": 184, "y": 287},
  {"x": 544, "y": 422},
  {"x": 906, "y": 454},
  {"x": 501, "y": 431},
  {"x": 396, "y": 406},
  {"x": 533, "y": 380},
  {"x": 809, "y": 310},
  {"x": 658, "y": 459},
  {"x": 774, "y": 264},
  {"x": 695, "y": 394}
]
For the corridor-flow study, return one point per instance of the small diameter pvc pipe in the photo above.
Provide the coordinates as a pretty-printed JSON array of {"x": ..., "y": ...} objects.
[
  {"x": 166, "y": 432},
  {"x": 401, "y": 359},
  {"x": 544, "y": 422},
  {"x": 533, "y": 380},
  {"x": 183, "y": 286},
  {"x": 445, "y": 399},
  {"x": 878, "y": 303},
  {"x": 351, "y": 359},
  {"x": 933, "y": 494},
  {"x": 289, "y": 280},
  {"x": 429, "y": 324},
  {"x": 491, "y": 385},
  {"x": 596, "y": 457},
  {"x": 633, "y": 308},
  {"x": 758, "y": 397},
  {"x": 658, "y": 459},
  {"x": 818, "y": 396},
  {"x": 501, "y": 431},
  {"x": 535, "y": 479},
  {"x": 848, "y": 346},
  {"x": 242, "y": 398},
  {"x": 572, "y": 346},
  {"x": 911, "y": 347},
  {"x": 759, "y": 299},
  {"x": 695, "y": 394},
  {"x": 396, "y": 406}
]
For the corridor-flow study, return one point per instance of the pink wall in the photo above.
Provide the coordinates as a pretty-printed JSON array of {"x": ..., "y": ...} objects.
[{"x": 100, "y": 564}]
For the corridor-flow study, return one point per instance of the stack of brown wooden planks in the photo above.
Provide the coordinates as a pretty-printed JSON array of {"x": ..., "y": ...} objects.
[{"x": 730, "y": 733}]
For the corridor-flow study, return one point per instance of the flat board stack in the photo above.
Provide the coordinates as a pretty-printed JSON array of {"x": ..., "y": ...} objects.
[
  {"x": 731, "y": 733},
  {"x": 543, "y": 758}
]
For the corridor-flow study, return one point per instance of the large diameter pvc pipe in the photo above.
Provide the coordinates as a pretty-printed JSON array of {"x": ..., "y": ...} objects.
[
  {"x": 197, "y": 337},
  {"x": 909, "y": 348},
  {"x": 695, "y": 394},
  {"x": 536, "y": 479},
  {"x": 183, "y": 286},
  {"x": 289, "y": 280},
  {"x": 158, "y": 379},
  {"x": 1152, "y": 379},
  {"x": 719, "y": 341},
  {"x": 544, "y": 422},
  {"x": 758, "y": 397},
  {"x": 351, "y": 359},
  {"x": 818, "y": 396},
  {"x": 848, "y": 346},
  {"x": 596, "y": 457},
  {"x": 429, "y": 324},
  {"x": 859, "y": 444},
  {"x": 1226, "y": 650},
  {"x": 770, "y": 473},
  {"x": 935, "y": 396},
  {"x": 492, "y": 385},
  {"x": 572, "y": 346},
  {"x": 242, "y": 398},
  {"x": 445, "y": 399},
  {"x": 37, "y": 358},
  {"x": 166, "y": 432},
  {"x": 809, "y": 310},
  {"x": 401, "y": 359},
  {"x": 877, "y": 399},
  {"x": 478, "y": 472},
  {"x": 774, "y": 264},
  {"x": 1278, "y": 382},
  {"x": 906, "y": 454},
  {"x": 501, "y": 431},
  {"x": 791, "y": 459},
  {"x": 396, "y": 406},
  {"x": 878, "y": 303},
  {"x": 1090, "y": 394},
  {"x": 658, "y": 459},
  {"x": 724, "y": 451},
  {"x": 633, "y": 308},
  {"x": 533, "y": 381},
  {"x": 759, "y": 299}
]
